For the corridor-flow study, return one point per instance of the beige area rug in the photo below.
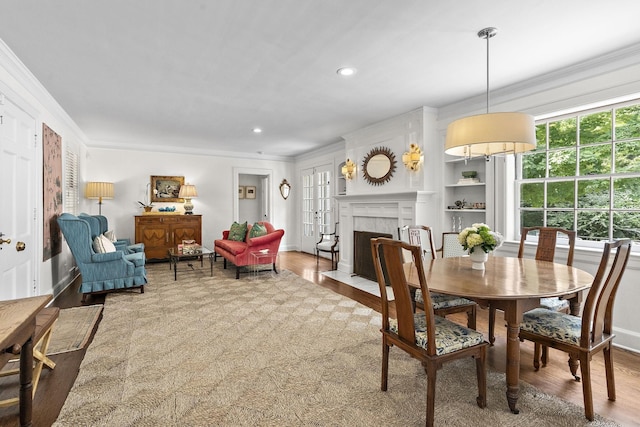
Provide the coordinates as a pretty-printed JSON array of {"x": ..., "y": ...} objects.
[
  {"x": 277, "y": 351},
  {"x": 73, "y": 329}
]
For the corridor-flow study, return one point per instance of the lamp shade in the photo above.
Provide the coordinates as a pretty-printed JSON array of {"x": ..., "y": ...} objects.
[
  {"x": 99, "y": 190},
  {"x": 187, "y": 191},
  {"x": 490, "y": 134}
]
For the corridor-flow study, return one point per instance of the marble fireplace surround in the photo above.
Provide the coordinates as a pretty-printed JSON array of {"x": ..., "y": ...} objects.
[{"x": 382, "y": 213}]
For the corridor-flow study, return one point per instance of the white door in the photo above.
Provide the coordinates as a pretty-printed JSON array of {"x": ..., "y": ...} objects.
[
  {"x": 17, "y": 216},
  {"x": 317, "y": 205}
]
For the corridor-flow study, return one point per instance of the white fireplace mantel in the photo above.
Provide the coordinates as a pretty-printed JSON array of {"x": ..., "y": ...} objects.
[{"x": 380, "y": 212}]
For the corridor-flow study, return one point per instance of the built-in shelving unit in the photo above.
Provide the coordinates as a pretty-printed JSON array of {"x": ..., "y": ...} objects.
[{"x": 459, "y": 190}]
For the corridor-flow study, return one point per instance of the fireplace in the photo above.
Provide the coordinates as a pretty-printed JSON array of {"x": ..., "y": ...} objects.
[
  {"x": 362, "y": 257},
  {"x": 381, "y": 214}
]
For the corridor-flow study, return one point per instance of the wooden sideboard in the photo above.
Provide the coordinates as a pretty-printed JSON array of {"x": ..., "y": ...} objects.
[{"x": 161, "y": 232}]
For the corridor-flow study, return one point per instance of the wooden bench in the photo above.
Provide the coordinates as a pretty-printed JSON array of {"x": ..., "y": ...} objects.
[{"x": 45, "y": 320}]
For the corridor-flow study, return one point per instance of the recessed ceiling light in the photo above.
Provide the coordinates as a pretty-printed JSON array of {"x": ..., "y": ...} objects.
[
  {"x": 257, "y": 130},
  {"x": 346, "y": 71}
]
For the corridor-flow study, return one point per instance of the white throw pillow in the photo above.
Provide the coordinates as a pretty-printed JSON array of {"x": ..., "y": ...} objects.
[
  {"x": 103, "y": 245},
  {"x": 111, "y": 235}
]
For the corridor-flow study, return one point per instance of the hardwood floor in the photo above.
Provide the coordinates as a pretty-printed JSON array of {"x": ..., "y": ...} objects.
[{"x": 554, "y": 379}]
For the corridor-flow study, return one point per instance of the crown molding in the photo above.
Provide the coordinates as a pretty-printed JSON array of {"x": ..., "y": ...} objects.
[{"x": 189, "y": 151}]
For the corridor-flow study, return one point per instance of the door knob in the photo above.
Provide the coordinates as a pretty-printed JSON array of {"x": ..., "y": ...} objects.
[
  {"x": 20, "y": 246},
  {"x": 7, "y": 241}
]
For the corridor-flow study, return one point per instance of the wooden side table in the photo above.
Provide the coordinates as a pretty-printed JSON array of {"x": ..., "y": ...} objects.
[{"x": 17, "y": 326}]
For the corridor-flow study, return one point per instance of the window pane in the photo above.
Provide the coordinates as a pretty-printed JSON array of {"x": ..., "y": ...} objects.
[
  {"x": 595, "y": 128},
  {"x": 541, "y": 137},
  {"x": 562, "y": 133},
  {"x": 593, "y": 193},
  {"x": 531, "y": 218},
  {"x": 562, "y": 163},
  {"x": 628, "y": 156},
  {"x": 628, "y": 122},
  {"x": 593, "y": 225},
  {"x": 562, "y": 219},
  {"x": 534, "y": 165},
  {"x": 595, "y": 160},
  {"x": 532, "y": 195},
  {"x": 560, "y": 194},
  {"x": 626, "y": 193},
  {"x": 626, "y": 225}
]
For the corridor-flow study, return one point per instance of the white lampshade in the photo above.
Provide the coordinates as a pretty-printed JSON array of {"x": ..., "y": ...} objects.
[
  {"x": 187, "y": 191},
  {"x": 490, "y": 134},
  {"x": 99, "y": 190}
]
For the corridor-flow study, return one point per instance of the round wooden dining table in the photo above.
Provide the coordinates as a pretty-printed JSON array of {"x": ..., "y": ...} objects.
[{"x": 514, "y": 285}]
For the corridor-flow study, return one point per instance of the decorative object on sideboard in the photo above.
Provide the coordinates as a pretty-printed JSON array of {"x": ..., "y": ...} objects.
[
  {"x": 188, "y": 192},
  {"x": 147, "y": 208},
  {"x": 413, "y": 159},
  {"x": 250, "y": 192},
  {"x": 99, "y": 191},
  {"x": 349, "y": 169},
  {"x": 490, "y": 133},
  {"x": 285, "y": 189},
  {"x": 378, "y": 166},
  {"x": 166, "y": 188}
]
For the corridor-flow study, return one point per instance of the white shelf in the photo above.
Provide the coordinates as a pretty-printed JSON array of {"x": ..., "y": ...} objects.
[
  {"x": 466, "y": 210},
  {"x": 475, "y": 184}
]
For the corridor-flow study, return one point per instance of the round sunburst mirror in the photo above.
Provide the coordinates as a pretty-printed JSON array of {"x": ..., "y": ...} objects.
[{"x": 378, "y": 166}]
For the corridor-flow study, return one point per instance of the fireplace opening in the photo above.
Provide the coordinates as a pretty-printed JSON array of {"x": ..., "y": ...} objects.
[{"x": 362, "y": 257}]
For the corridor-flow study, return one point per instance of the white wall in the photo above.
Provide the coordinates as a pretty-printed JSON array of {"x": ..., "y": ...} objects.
[{"x": 130, "y": 171}]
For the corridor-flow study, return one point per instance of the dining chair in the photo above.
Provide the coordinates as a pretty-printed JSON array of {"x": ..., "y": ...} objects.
[
  {"x": 583, "y": 336},
  {"x": 431, "y": 339},
  {"x": 451, "y": 247},
  {"x": 442, "y": 304},
  {"x": 545, "y": 251}
]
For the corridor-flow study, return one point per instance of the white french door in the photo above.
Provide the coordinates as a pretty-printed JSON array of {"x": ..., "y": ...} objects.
[
  {"x": 317, "y": 205},
  {"x": 17, "y": 217}
]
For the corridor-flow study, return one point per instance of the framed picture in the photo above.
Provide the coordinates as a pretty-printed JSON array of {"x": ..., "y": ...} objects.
[
  {"x": 241, "y": 192},
  {"x": 166, "y": 188},
  {"x": 250, "y": 192}
]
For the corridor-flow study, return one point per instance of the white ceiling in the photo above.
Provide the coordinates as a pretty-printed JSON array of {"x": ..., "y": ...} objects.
[{"x": 199, "y": 75}]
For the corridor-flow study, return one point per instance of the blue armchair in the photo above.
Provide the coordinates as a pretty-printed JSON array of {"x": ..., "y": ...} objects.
[
  {"x": 99, "y": 225},
  {"x": 101, "y": 272}
]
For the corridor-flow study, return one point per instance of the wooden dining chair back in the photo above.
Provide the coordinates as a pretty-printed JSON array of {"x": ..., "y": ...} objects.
[
  {"x": 545, "y": 251},
  {"x": 547, "y": 242},
  {"x": 582, "y": 337},
  {"x": 443, "y": 305},
  {"x": 431, "y": 339}
]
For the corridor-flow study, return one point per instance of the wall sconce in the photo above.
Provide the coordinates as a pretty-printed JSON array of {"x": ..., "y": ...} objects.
[
  {"x": 349, "y": 169},
  {"x": 99, "y": 190},
  {"x": 285, "y": 189},
  {"x": 188, "y": 192},
  {"x": 413, "y": 158}
]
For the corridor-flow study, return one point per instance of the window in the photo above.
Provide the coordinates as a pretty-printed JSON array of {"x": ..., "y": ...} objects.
[
  {"x": 585, "y": 174},
  {"x": 71, "y": 191}
]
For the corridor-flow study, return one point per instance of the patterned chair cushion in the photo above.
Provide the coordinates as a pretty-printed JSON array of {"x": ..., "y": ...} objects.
[
  {"x": 442, "y": 301},
  {"x": 555, "y": 304},
  {"x": 450, "y": 336},
  {"x": 560, "y": 326}
]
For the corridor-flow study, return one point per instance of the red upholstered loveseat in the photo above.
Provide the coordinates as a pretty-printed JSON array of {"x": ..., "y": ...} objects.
[{"x": 239, "y": 253}]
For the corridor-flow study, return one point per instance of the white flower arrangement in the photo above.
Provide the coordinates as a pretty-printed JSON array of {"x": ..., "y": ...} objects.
[{"x": 479, "y": 235}]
